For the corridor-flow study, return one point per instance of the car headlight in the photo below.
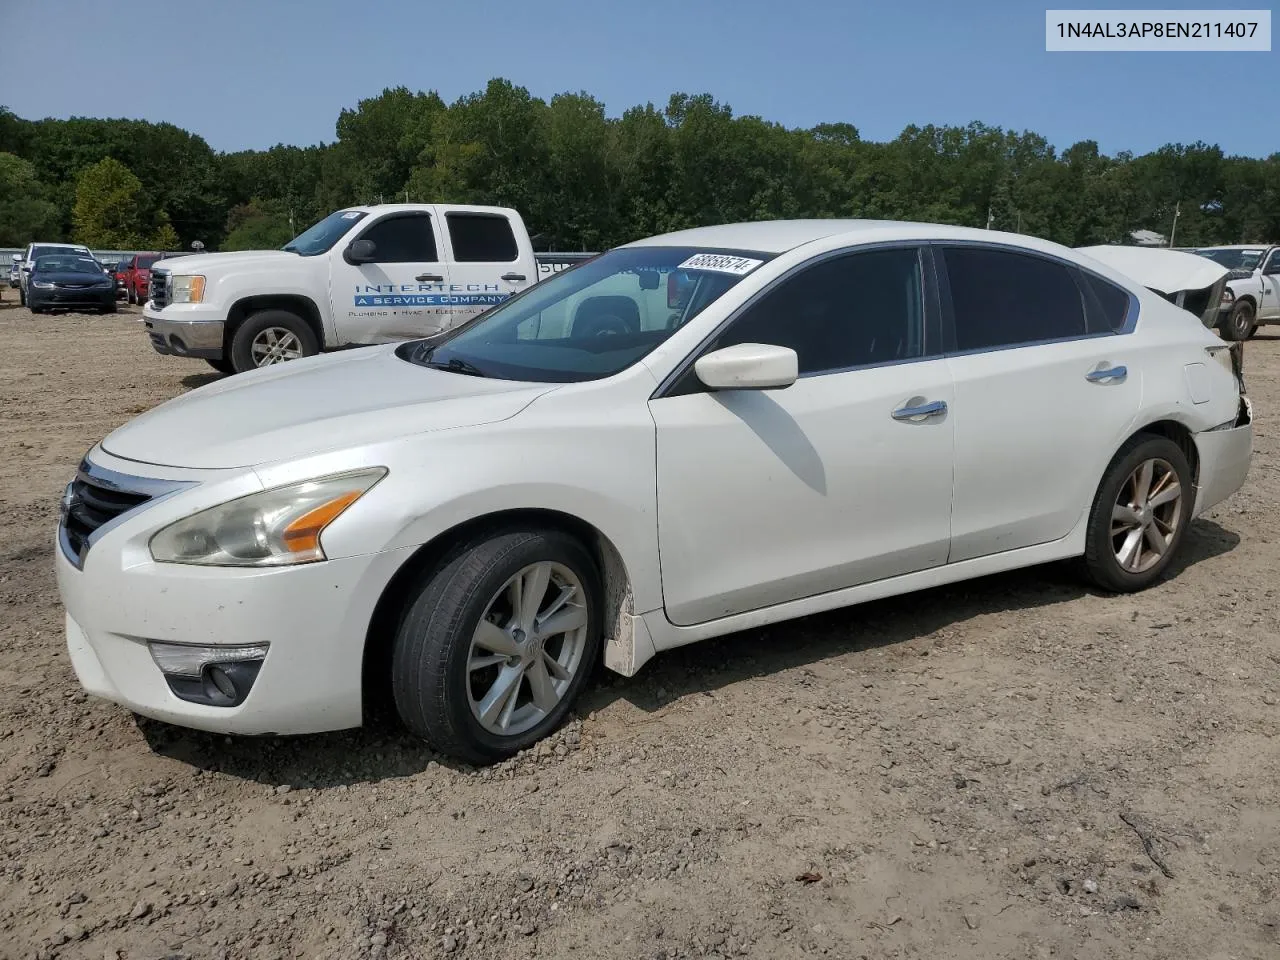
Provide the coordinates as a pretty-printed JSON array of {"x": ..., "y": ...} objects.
[
  {"x": 267, "y": 529},
  {"x": 42, "y": 284},
  {"x": 187, "y": 289}
]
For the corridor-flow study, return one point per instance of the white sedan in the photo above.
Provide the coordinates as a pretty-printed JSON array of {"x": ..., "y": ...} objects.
[{"x": 686, "y": 436}]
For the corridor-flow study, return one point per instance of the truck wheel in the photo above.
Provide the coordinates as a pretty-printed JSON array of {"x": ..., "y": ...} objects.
[
  {"x": 22, "y": 297},
  {"x": 129, "y": 297},
  {"x": 497, "y": 643},
  {"x": 222, "y": 365},
  {"x": 269, "y": 337},
  {"x": 1140, "y": 514},
  {"x": 1238, "y": 324}
]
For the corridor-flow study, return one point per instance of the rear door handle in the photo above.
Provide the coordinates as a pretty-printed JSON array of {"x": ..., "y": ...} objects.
[
  {"x": 1107, "y": 375},
  {"x": 513, "y": 277},
  {"x": 919, "y": 414},
  {"x": 424, "y": 277}
]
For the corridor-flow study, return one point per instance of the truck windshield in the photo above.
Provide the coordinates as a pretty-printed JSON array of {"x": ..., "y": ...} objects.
[
  {"x": 320, "y": 237},
  {"x": 591, "y": 321},
  {"x": 1232, "y": 258}
]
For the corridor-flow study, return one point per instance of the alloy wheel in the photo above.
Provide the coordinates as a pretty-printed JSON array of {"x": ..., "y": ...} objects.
[
  {"x": 1146, "y": 515},
  {"x": 527, "y": 648},
  {"x": 275, "y": 345}
]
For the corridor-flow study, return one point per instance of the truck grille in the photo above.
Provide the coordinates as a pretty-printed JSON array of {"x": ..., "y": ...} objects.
[{"x": 159, "y": 292}]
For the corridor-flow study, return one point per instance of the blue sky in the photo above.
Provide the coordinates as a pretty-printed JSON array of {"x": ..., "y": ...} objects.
[{"x": 251, "y": 74}]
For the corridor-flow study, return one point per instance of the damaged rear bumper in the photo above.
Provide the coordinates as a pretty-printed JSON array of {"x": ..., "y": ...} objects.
[{"x": 1225, "y": 453}]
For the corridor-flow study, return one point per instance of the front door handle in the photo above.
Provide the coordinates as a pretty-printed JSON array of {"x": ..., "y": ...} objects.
[
  {"x": 922, "y": 412},
  {"x": 513, "y": 277},
  {"x": 425, "y": 277},
  {"x": 1107, "y": 375}
]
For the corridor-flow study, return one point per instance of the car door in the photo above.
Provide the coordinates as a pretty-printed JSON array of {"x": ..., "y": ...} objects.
[
  {"x": 1269, "y": 306},
  {"x": 398, "y": 295},
  {"x": 844, "y": 477},
  {"x": 485, "y": 262},
  {"x": 1047, "y": 378}
]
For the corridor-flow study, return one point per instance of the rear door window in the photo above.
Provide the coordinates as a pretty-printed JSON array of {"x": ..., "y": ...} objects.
[
  {"x": 1003, "y": 298},
  {"x": 481, "y": 238}
]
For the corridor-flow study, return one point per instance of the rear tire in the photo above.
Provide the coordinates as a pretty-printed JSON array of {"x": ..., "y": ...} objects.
[
  {"x": 129, "y": 297},
  {"x": 1240, "y": 323},
  {"x": 464, "y": 640},
  {"x": 269, "y": 337},
  {"x": 1140, "y": 514}
]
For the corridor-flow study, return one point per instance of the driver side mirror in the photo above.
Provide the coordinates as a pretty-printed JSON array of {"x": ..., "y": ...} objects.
[
  {"x": 360, "y": 251},
  {"x": 748, "y": 366}
]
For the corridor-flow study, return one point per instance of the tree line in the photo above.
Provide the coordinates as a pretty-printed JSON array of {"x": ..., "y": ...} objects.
[{"x": 587, "y": 181}]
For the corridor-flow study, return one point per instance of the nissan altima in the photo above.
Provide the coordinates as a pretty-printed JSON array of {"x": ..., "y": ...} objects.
[{"x": 686, "y": 436}]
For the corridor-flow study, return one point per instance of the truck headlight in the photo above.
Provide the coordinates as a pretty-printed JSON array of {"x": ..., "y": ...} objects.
[
  {"x": 187, "y": 289},
  {"x": 268, "y": 529}
]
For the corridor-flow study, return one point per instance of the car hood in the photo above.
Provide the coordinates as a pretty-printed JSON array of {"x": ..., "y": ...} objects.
[
  {"x": 1162, "y": 270},
  {"x": 203, "y": 262},
  {"x": 309, "y": 406}
]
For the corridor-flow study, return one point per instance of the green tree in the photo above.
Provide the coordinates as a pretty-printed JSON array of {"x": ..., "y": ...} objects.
[
  {"x": 107, "y": 211},
  {"x": 258, "y": 225},
  {"x": 25, "y": 214}
]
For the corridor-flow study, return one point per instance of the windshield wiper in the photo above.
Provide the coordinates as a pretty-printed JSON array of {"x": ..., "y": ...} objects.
[
  {"x": 457, "y": 365},
  {"x": 291, "y": 249}
]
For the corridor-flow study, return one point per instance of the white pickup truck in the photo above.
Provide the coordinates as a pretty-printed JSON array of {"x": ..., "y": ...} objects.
[
  {"x": 362, "y": 275},
  {"x": 1252, "y": 294}
]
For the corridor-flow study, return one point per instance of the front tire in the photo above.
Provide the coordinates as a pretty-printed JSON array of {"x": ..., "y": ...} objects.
[
  {"x": 1140, "y": 514},
  {"x": 270, "y": 337},
  {"x": 221, "y": 364},
  {"x": 22, "y": 297},
  {"x": 498, "y": 643},
  {"x": 108, "y": 307},
  {"x": 1240, "y": 323}
]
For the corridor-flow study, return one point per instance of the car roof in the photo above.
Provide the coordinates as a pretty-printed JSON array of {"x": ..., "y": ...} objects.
[
  {"x": 1235, "y": 246},
  {"x": 61, "y": 246},
  {"x": 779, "y": 236}
]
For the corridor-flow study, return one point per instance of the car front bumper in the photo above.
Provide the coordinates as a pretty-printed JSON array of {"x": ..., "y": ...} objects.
[
  {"x": 313, "y": 618},
  {"x": 186, "y": 330},
  {"x": 106, "y": 297}
]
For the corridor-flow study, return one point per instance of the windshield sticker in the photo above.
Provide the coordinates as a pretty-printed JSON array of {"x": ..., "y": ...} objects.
[
  {"x": 351, "y": 215},
  {"x": 720, "y": 263}
]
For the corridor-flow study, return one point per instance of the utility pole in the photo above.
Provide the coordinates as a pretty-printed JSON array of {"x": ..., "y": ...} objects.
[
  {"x": 1177, "y": 209},
  {"x": 1019, "y": 228},
  {"x": 990, "y": 216}
]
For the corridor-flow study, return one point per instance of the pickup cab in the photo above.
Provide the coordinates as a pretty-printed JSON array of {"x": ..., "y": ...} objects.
[
  {"x": 362, "y": 275},
  {"x": 1252, "y": 294}
]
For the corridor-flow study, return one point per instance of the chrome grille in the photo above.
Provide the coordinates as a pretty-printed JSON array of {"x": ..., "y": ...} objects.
[
  {"x": 98, "y": 496},
  {"x": 159, "y": 292}
]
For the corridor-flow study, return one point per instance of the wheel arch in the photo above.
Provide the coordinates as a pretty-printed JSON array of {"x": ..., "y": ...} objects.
[
  {"x": 1173, "y": 430},
  {"x": 304, "y": 307},
  {"x": 383, "y": 624}
]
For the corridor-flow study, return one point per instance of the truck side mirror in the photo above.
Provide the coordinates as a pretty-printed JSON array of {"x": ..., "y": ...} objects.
[{"x": 360, "y": 251}]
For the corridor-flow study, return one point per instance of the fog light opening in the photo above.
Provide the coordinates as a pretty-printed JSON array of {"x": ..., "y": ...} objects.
[{"x": 213, "y": 676}]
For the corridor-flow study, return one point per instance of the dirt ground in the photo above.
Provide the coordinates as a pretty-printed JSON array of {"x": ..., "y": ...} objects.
[{"x": 1011, "y": 767}]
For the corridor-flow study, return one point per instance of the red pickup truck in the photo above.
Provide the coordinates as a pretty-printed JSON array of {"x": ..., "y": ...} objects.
[{"x": 136, "y": 271}]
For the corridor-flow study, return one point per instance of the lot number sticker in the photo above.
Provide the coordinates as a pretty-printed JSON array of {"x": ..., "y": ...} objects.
[{"x": 718, "y": 262}]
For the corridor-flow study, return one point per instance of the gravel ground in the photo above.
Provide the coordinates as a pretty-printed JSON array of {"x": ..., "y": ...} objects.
[{"x": 1011, "y": 767}]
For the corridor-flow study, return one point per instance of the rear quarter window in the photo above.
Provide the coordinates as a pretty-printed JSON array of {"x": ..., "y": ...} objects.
[{"x": 1106, "y": 305}]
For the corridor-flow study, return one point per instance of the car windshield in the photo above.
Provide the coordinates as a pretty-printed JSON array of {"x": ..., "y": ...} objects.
[
  {"x": 67, "y": 264},
  {"x": 1232, "y": 258},
  {"x": 144, "y": 263},
  {"x": 38, "y": 252},
  {"x": 320, "y": 237},
  {"x": 591, "y": 321}
]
